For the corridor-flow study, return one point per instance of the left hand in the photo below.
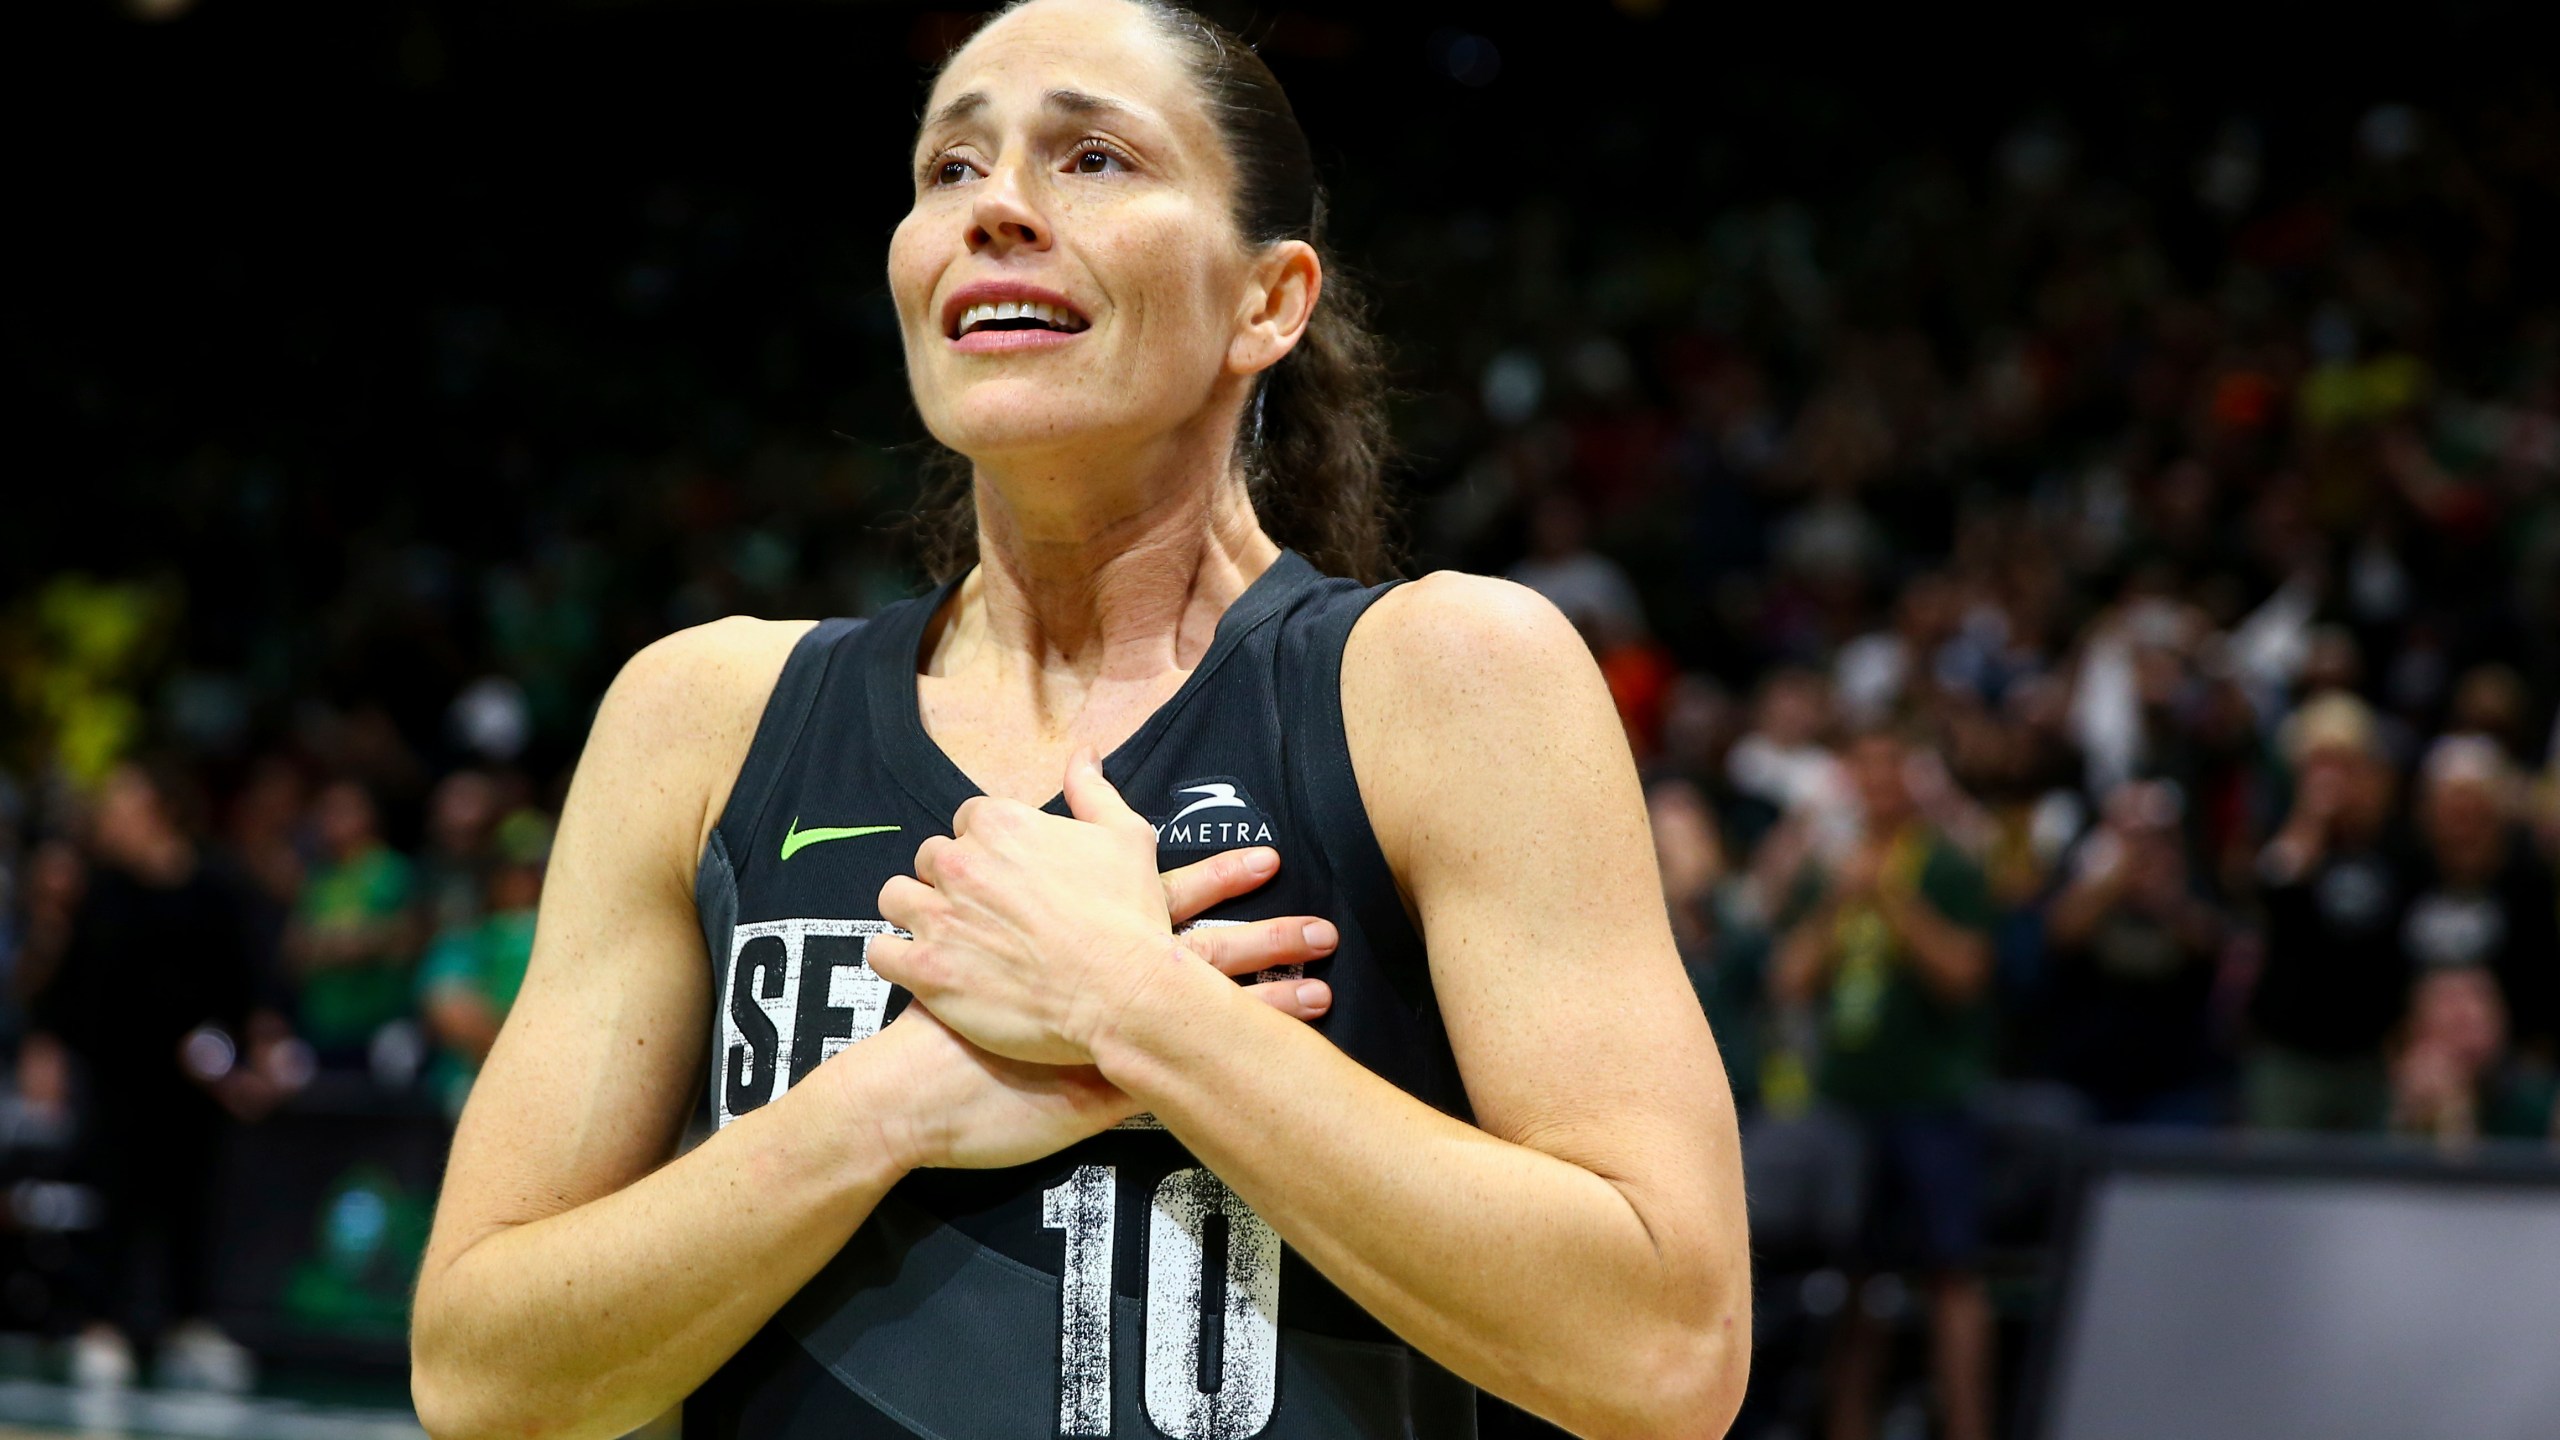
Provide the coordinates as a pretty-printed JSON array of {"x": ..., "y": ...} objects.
[{"x": 1034, "y": 932}]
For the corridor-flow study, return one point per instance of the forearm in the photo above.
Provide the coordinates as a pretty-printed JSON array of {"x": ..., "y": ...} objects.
[
  {"x": 1952, "y": 960},
  {"x": 2078, "y": 909},
  {"x": 592, "y": 1321},
  {"x": 1804, "y": 959},
  {"x": 1593, "y": 1300}
]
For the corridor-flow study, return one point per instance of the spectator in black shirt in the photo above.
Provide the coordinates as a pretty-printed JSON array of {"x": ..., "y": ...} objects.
[
  {"x": 2485, "y": 898},
  {"x": 156, "y": 979},
  {"x": 2135, "y": 943},
  {"x": 2335, "y": 889}
]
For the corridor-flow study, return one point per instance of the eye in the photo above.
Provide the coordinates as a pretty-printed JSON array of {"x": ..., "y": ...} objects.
[
  {"x": 947, "y": 170},
  {"x": 1092, "y": 157}
]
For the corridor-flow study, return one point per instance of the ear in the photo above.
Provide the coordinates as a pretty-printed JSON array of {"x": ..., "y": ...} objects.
[{"x": 1279, "y": 299}]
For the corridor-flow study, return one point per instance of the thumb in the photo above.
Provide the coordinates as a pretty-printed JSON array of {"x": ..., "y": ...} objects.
[{"x": 1090, "y": 796}]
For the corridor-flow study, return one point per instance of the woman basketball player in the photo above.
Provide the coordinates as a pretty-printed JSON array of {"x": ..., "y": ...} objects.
[{"x": 998, "y": 1153}]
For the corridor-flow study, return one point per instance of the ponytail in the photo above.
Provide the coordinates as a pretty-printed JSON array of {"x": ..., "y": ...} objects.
[{"x": 1315, "y": 454}]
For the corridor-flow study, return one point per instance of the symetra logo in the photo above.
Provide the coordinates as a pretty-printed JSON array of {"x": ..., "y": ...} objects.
[
  {"x": 1211, "y": 814},
  {"x": 797, "y": 839}
]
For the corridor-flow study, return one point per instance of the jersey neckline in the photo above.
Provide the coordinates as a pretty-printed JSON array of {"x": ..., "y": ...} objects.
[{"x": 937, "y": 782}]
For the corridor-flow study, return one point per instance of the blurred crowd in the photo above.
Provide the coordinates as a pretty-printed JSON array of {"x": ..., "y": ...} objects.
[
  {"x": 173, "y": 973},
  {"x": 2079, "y": 634},
  {"x": 2133, "y": 698}
]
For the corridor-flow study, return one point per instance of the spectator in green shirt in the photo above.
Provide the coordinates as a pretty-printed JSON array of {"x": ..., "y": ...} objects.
[
  {"x": 472, "y": 972},
  {"x": 2457, "y": 1078},
  {"x": 1896, "y": 960},
  {"x": 351, "y": 942}
]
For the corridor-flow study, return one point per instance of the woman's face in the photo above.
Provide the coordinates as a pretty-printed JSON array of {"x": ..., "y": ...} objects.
[{"x": 1067, "y": 161}]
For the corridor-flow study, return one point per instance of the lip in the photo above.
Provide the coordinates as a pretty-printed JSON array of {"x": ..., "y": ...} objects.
[
  {"x": 1007, "y": 342},
  {"x": 998, "y": 292}
]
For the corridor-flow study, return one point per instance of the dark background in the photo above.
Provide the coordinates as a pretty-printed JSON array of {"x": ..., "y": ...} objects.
[
  {"x": 363, "y": 351},
  {"x": 301, "y": 289}
]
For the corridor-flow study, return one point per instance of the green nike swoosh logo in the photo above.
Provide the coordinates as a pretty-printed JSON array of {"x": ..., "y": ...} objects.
[{"x": 798, "y": 839}]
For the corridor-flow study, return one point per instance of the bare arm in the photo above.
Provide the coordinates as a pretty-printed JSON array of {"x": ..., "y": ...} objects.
[
  {"x": 578, "y": 1282},
  {"x": 563, "y": 1293},
  {"x": 1951, "y": 959},
  {"x": 1583, "y": 1252},
  {"x": 1803, "y": 967}
]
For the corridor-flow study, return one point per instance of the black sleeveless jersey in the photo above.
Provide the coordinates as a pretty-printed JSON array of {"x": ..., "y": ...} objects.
[{"x": 1116, "y": 1288}]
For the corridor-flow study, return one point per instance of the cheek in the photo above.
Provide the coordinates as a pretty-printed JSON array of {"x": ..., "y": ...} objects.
[
  {"x": 912, "y": 270},
  {"x": 1176, "y": 308}
]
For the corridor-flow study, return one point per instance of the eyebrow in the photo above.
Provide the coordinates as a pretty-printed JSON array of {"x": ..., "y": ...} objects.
[
  {"x": 1076, "y": 102},
  {"x": 960, "y": 108},
  {"x": 1073, "y": 102}
]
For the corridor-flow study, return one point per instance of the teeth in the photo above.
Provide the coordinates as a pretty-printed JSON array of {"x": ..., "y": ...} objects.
[{"x": 1050, "y": 315}]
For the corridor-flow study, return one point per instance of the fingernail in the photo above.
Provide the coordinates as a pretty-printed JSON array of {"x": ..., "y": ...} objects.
[
  {"x": 1312, "y": 995},
  {"x": 1259, "y": 861},
  {"x": 1320, "y": 935}
]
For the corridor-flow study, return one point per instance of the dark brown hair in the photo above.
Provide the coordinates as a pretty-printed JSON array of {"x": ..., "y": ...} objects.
[{"x": 1313, "y": 440}]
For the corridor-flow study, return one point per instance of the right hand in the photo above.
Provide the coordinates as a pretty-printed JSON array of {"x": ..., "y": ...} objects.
[{"x": 969, "y": 1109}]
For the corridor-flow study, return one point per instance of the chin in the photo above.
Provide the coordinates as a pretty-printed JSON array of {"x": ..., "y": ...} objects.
[{"x": 996, "y": 417}]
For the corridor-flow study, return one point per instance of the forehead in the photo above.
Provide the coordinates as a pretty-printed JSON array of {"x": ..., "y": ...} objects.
[{"x": 1108, "y": 49}]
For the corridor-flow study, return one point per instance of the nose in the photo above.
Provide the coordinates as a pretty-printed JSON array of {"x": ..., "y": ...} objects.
[{"x": 1002, "y": 216}]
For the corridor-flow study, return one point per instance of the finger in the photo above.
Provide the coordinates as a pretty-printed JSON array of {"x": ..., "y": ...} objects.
[
  {"x": 1305, "y": 999},
  {"x": 928, "y": 857},
  {"x": 906, "y": 901},
  {"x": 1192, "y": 888},
  {"x": 888, "y": 957},
  {"x": 1090, "y": 796},
  {"x": 1244, "y": 949}
]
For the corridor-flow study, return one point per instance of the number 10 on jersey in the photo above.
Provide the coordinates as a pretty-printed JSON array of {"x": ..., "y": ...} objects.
[{"x": 1179, "y": 1400}]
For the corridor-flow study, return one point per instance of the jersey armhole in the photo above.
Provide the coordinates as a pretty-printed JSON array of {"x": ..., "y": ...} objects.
[
  {"x": 778, "y": 732},
  {"x": 1329, "y": 790},
  {"x": 786, "y": 715}
]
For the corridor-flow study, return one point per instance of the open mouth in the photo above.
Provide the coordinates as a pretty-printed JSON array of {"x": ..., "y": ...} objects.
[{"x": 1009, "y": 315}]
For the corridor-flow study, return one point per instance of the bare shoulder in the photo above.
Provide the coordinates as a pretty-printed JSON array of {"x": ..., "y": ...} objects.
[
  {"x": 1469, "y": 681},
  {"x": 705, "y": 676},
  {"x": 1455, "y": 635},
  {"x": 677, "y": 722}
]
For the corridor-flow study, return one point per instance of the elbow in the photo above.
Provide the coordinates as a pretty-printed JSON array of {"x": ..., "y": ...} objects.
[
  {"x": 452, "y": 1403},
  {"x": 443, "y": 1412},
  {"x": 1686, "y": 1384},
  {"x": 458, "y": 1398},
  {"x": 447, "y": 1409},
  {"x": 438, "y": 1389},
  {"x": 1697, "y": 1384}
]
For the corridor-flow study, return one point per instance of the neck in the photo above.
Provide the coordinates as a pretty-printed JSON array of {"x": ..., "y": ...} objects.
[{"x": 1117, "y": 566}]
